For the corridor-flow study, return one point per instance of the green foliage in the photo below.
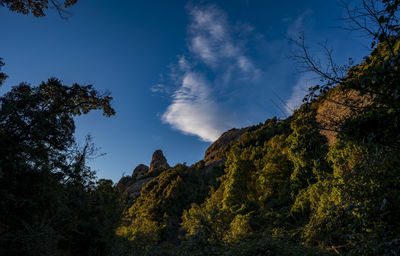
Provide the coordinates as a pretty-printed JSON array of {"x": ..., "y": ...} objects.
[
  {"x": 288, "y": 183},
  {"x": 49, "y": 202},
  {"x": 273, "y": 179},
  {"x": 208, "y": 223},
  {"x": 281, "y": 191},
  {"x": 237, "y": 186},
  {"x": 256, "y": 179},
  {"x": 307, "y": 149},
  {"x": 239, "y": 229},
  {"x": 156, "y": 214},
  {"x": 354, "y": 208},
  {"x": 37, "y": 7}
]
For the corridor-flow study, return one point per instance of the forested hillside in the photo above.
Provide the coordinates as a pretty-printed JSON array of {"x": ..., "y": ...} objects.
[{"x": 323, "y": 181}]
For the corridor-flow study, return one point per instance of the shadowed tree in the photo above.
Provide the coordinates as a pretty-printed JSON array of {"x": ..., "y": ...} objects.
[
  {"x": 38, "y": 7},
  {"x": 2, "y": 75},
  {"x": 43, "y": 177}
]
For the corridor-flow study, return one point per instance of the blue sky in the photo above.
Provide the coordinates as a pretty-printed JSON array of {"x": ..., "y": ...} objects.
[{"x": 180, "y": 72}]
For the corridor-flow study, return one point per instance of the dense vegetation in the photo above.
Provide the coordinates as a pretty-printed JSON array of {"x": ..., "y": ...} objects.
[
  {"x": 49, "y": 202},
  {"x": 283, "y": 189}
]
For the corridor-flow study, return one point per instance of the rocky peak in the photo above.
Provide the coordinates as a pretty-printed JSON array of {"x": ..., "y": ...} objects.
[
  {"x": 139, "y": 171},
  {"x": 131, "y": 186},
  {"x": 158, "y": 161},
  {"x": 215, "y": 153}
]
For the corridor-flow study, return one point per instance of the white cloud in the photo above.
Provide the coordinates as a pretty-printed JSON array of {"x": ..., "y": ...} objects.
[
  {"x": 203, "y": 48},
  {"x": 212, "y": 40},
  {"x": 209, "y": 19},
  {"x": 299, "y": 91},
  {"x": 218, "y": 82},
  {"x": 184, "y": 65},
  {"x": 244, "y": 64},
  {"x": 306, "y": 80},
  {"x": 195, "y": 108},
  {"x": 158, "y": 88},
  {"x": 193, "y": 111}
]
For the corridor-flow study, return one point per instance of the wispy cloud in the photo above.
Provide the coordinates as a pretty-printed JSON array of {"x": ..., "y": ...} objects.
[
  {"x": 158, "y": 88},
  {"x": 305, "y": 81},
  {"x": 299, "y": 91},
  {"x": 297, "y": 27},
  {"x": 211, "y": 40},
  {"x": 228, "y": 74},
  {"x": 193, "y": 111},
  {"x": 212, "y": 49}
]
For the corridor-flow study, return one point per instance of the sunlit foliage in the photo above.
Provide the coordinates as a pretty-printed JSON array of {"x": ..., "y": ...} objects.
[{"x": 283, "y": 190}]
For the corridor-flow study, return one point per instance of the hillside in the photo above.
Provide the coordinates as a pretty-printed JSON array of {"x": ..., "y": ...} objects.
[{"x": 323, "y": 181}]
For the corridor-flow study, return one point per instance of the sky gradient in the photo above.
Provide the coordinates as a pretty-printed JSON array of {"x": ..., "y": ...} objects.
[{"x": 180, "y": 72}]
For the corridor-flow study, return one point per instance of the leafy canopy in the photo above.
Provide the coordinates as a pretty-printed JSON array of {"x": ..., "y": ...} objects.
[{"x": 38, "y": 8}]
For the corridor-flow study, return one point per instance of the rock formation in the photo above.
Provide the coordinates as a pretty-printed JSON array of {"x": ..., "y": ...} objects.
[
  {"x": 158, "y": 161},
  {"x": 139, "y": 171},
  {"x": 133, "y": 190},
  {"x": 132, "y": 185},
  {"x": 334, "y": 110},
  {"x": 216, "y": 152}
]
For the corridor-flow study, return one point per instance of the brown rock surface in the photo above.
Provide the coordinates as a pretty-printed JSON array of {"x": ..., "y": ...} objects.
[
  {"x": 139, "y": 171},
  {"x": 134, "y": 189},
  {"x": 132, "y": 185},
  {"x": 335, "y": 109},
  {"x": 158, "y": 161},
  {"x": 215, "y": 152}
]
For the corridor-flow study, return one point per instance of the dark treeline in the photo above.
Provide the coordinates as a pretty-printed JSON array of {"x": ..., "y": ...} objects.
[
  {"x": 324, "y": 181},
  {"x": 50, "y": 203}
]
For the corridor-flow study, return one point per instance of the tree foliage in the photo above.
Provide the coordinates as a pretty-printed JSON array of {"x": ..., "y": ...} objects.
[
  {"x": 2, "y": 75},
  {"x": 49, "y": 202},
  {"x": 282, "y": 181},
  {"x": 37, "y": 8},
  {"x": 283, "y": 190}
]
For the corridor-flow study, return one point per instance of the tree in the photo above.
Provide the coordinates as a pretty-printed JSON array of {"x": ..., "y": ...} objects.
[
  {"x": 2, "y": 75},
  {"x": 377, "y": 19},
  {"x": 237, "y": 185},
  {"x": 352, "y": 209},
  {"x": 37, "y": 7},
  {"x": 43, "y": 177},
  {"x": 50, "y": 203},
  {"x": 273, "y": 179},
  {"x": 37, "y": 122},
  {"x": 307, "y": 149}
]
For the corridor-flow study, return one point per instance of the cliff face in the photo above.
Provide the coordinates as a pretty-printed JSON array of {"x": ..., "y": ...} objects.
[
  {"x": 336, "y": 108},
  {"x": 215, "y": 154}
]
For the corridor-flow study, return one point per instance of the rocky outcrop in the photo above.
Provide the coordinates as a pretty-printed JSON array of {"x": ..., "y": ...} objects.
[
  {"x": 335, "y": 109},
  {"x": 139, "y": 171},
  {"x": 133, "y": 191},
  {"x": 158, "y": 161},
  {"x": 131, "y": 186},
  {"x": 216, "y": 152}
]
